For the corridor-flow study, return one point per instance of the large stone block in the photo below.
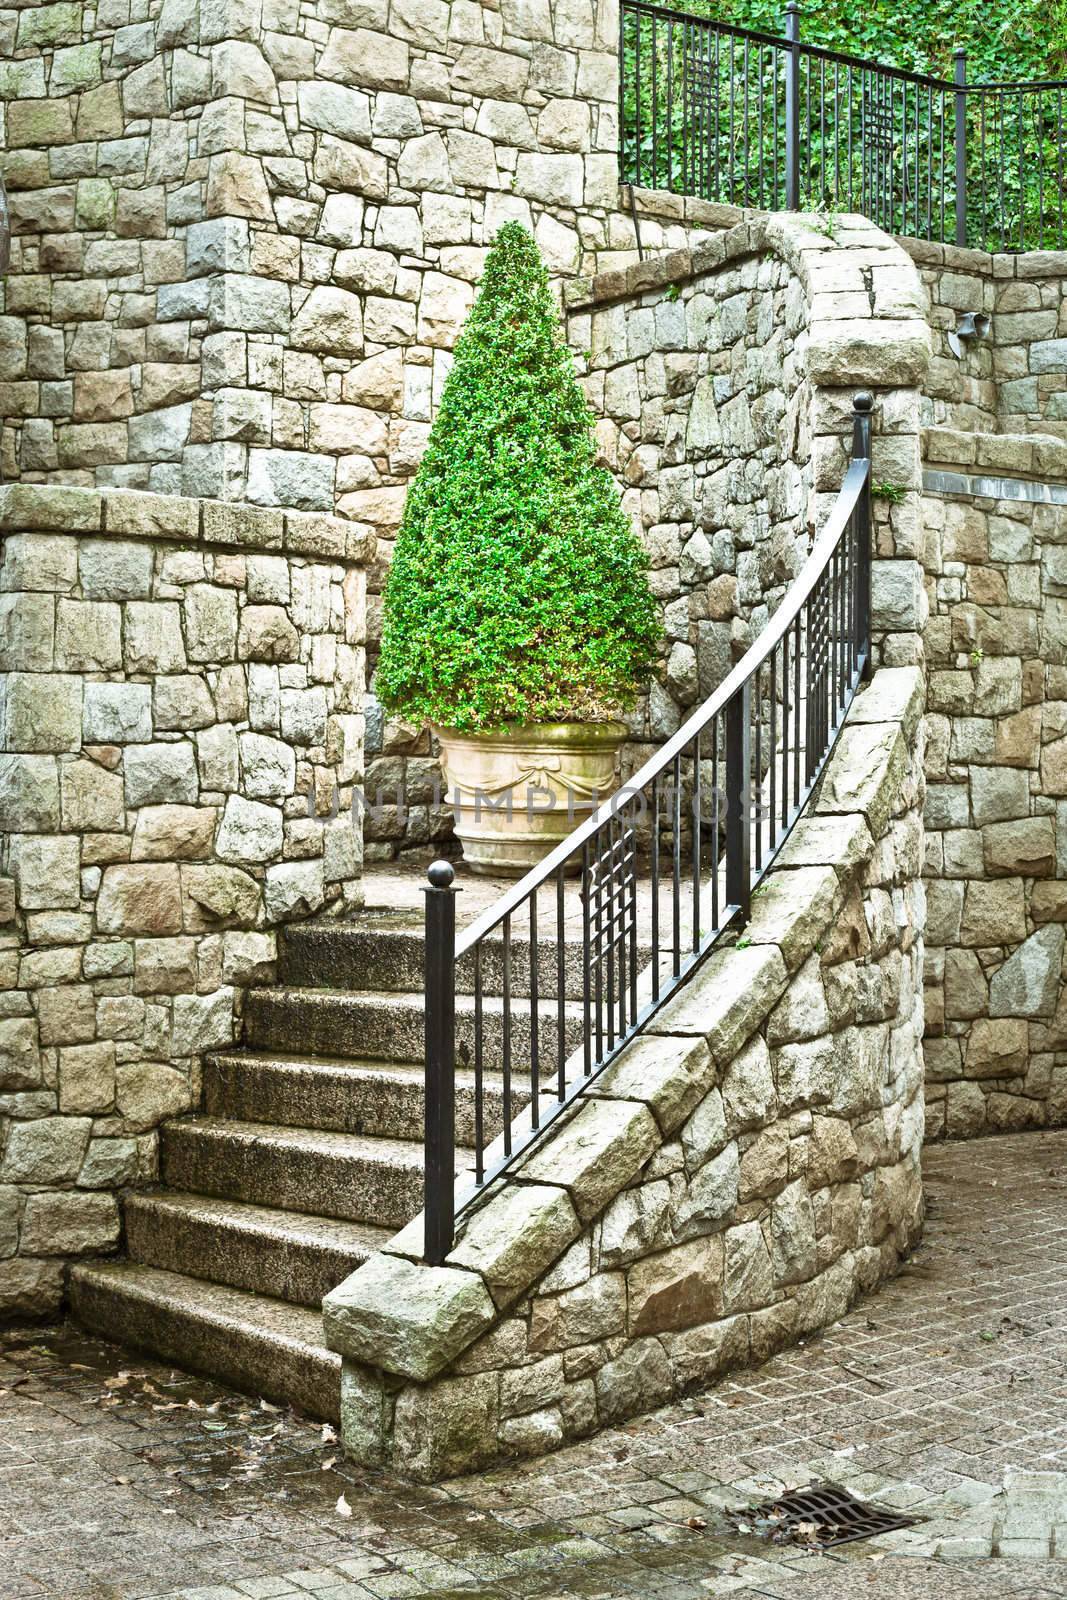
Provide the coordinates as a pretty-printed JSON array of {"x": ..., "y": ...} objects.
[
  {"x": 748, "y": 1280},
  {"x": 140, "y": 900},
  {"x": 676, "y": 1288},
  {"x": 1028, "y": 984},
  {"x": 406, "y": 1319},
  {"x": 201, "y": 1022},
  {"x": 217, "y": 897},
  {"x": 87, "y": 1077},
  {"x": 293, "y": 889},
  {"x": 994, "y": 913},
  {"x": 636, "y": 1380},
  {"x": 29, "y": 794},
  {"x": 27, "y": 632},
  {"x": 46, "y": 870},
  {"x": 515, "y": 1238},
  {"x": 40, "y": 711},
  {"x": 92, "y": 798},
  {"x": 727, "y": 999},
  {"x": 29, "y": 1286},
  {"x": 447, "y": 1427},
  {"x": 996, "y": 1048},
  {"x": 148, "y": 1091},
  {"x": 20, "y": 1058},
  {"x": 590, "y": 1311},
  {"x": 117, "y": 713},
  {"x": 596, "y": 1153},
  {"x": 1026, "y": 848},
  {"x": 153, "y": 637},
  {"x": 172, "y": 833},
  {"x": 866, "y": 774},
  {"x": 249, "y": 832},
  {"x": 49, "y": 1150},
  {"x": 161, "y": 774},
  {"x": 210, "y": 622},
  {"x": 671, "y": 1075},
  {"x": 69, "y": 1224},
  {"x": 330, "y": 320}
]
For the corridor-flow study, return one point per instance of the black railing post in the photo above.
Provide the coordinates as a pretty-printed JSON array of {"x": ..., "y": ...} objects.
[
  {"x": 961, "y": 147},
  {"x": 738, "y": 800},
  {"x": 792, "y": 108},
  {"x": 440, "y": 1130},
  {"x": 862, "y": 406}
]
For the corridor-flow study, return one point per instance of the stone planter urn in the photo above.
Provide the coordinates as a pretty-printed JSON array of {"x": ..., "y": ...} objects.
[{"x": 520, "y": 790}]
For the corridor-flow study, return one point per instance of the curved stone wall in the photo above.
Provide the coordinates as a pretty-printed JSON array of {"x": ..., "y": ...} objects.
[{"x": 737, "y": 1176}]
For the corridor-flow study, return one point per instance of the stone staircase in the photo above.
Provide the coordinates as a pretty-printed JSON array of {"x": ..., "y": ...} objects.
[{"x": 306, "y": 1158}]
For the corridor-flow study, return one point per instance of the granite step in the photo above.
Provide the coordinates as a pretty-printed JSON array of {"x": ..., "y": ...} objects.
[
  {"x": 385, "y": 951},
  {"x": 284, "y": 1254},
  {"x": 259, "y": 1345},
  {"x": 392, "y": 1027},
  {"x": 312, "y": 1171},
  {"x": 378, "y": 1099}
]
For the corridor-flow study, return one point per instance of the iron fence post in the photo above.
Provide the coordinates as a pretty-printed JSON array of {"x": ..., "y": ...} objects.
[
  {"x": 792, "y": 107},
  {"x": 738, "y": 800},
  {"x": 440, "y": 1125},
  {"x": 961, "y": 147},
  {"x": 862, "y": 406}
]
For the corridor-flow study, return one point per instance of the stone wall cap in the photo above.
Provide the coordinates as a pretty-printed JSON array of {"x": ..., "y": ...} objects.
[
  {"x": 841, "y": 842},
  {"x": 894, "y": 694},
  {"x": 886, "y": 352},
  {"x": 137, "y": 514},
  {"x": 407, "y": 1319},
  {"x": 595, "y": 1153},
  {"x": 1041, "y": 264},
  {"x": 866, "y": 774},
  {"x": 515, "y": 1237},
  {"x": 727, "y": 999},
  {"x": 793, "y": 909},
  {"x": 51, "y": 508},
  {"x": 669, "y": 1073}
]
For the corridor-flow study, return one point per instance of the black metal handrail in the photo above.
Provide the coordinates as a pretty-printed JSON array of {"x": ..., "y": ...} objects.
[
  {"x": 718, "y": 800},
  {"x": 747, "y": 118}
]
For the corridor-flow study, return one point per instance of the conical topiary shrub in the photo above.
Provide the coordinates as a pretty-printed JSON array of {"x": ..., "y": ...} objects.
[{"x": 517, "y": 592}]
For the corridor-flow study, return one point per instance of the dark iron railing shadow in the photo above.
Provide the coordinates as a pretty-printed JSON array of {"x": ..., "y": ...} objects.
[{"x": 666, "y": 867}]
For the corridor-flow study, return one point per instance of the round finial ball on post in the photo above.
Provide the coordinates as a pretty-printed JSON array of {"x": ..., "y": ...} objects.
[
  {"x": 441, "y": 874},
  {"x": 863, "y": 402}
]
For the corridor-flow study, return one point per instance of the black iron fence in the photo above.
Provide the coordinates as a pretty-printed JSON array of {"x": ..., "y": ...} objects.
[
  {"x": 750, "y": 119},
  {"x": 541, "y": 992}
]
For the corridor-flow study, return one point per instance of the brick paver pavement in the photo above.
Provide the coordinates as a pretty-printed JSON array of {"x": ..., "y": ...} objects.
[{"x": 123, "y": 1480}]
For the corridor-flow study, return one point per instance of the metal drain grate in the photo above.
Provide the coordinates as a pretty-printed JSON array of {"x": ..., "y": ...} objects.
[{"x": 821, "y": 1515}]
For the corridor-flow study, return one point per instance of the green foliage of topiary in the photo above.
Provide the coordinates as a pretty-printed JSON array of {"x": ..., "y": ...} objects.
[{"x": 517, "y": 591}]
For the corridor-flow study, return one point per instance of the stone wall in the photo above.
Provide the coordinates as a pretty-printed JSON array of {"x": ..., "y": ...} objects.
[
  {"x": 996, "y": 766},
  {"x": 729, "y": 1185},
  {"x": 1014, "y": 381},
  {"x": 246, "y": 234},
  {"x": 181, "y": 728}
]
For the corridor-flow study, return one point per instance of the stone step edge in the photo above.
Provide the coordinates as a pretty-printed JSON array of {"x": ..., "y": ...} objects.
[{"x": 244, "y": 1318}]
